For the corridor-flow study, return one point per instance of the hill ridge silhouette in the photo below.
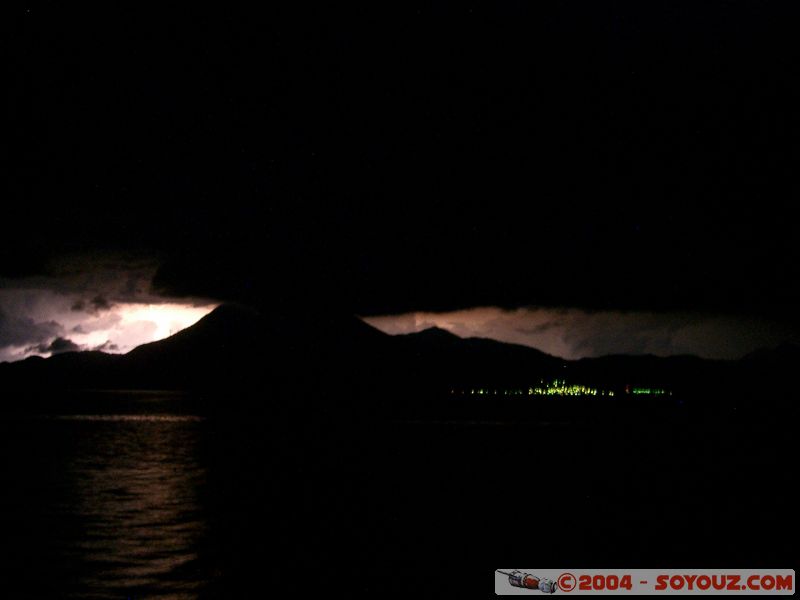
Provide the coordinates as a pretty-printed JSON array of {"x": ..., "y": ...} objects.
[{"x": 244, "y": 348}]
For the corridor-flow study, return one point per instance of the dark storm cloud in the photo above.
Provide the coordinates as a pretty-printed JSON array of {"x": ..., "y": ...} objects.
[
  {"x": 475, "y": 258},
  {"x": 100, "y": 303},
  {"x": 436, "y": 181},
  {"x": 57, "y": 346},
  {"x": 631, "y": 160},
  {"x": 97, "y": 304},
  {"x": 101, "y": 278},
  {"x": 23, "y": 330},
  {"x": 94, "y": 281},
  {"x": 106, "y": 346}
]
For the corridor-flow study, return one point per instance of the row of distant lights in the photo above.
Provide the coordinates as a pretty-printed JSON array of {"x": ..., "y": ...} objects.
[
  {"x": 648, "y": 392},
  {"x": 559, "y": 387}
]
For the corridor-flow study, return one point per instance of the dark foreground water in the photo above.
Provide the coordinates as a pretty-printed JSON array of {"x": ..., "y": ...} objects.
[
  {"x": 153, "y": 495},
  {"x": 106, "y": 503}
]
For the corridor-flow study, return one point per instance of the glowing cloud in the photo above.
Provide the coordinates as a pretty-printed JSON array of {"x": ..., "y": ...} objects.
[
  {"x": 574, "y": 333},
  {"x": 135, "y": 324},
  {"x": 43, "y": 322}
]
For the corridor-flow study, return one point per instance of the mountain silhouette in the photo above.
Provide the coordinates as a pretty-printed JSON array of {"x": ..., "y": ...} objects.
[{"x": 236, "y": 347}]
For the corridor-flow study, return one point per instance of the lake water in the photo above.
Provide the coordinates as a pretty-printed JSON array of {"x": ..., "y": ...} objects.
[
  {"x": 134, "y": 495},
  {"x": 107, "y": 505}
]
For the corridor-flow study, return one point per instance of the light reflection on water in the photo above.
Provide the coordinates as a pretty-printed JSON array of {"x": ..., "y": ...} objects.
[
  {"x": 137, "y": 479},
  {"x": 156, "y": 418},
  {"x": 124, "y": 504}
]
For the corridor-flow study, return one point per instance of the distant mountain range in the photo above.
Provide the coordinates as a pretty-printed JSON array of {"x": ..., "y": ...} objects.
[{"x": 236, "y": 347}]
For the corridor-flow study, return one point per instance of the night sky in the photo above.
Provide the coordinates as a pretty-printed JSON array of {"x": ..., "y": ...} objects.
[{"x": 585, "y": 177}]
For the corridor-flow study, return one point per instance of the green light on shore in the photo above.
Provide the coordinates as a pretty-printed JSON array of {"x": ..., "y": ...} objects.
[
  {"x": 648, "y": 391},
  {"x": 560, "y": 387},
  {"x": 557, "y": 387}
]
